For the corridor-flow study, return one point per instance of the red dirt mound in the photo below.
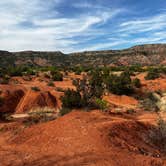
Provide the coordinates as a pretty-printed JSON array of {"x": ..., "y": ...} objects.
[
  {"x": 11, "y": 96},
  {"x": 82, "y": 138},
  {"x": 123, "y": 101},
  {"x": 33, "y": 99}
]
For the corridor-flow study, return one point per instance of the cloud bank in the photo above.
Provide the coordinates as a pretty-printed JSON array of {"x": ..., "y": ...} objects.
[{"x": 78, "y": 26}]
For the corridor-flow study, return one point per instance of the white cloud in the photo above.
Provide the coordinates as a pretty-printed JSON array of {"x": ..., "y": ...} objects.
[
  {"x": 145, "y": 24},
  {"x": 38, "y": 25},
  {"x": 48, "y": 32}
]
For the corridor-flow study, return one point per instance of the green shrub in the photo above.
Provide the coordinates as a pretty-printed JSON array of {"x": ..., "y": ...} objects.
[
  {"x": 51, "y": 84},
  {"x": 78, "y": 70},
  {"x": 5, "y": 117},
  {"x": 5, "y": 79},
  {"x": 71, "y": 99},
  {"x": 101, "y": 104},
  {"x": 57, "y": 76},
  {"x": 65, "y": 111},
  {"x": 149, "y": 103},
  {"x": 35, "y": 88},
  {"x": 96, "y": 83},
  {"x": 130, "y": 111},
  {"x": 137, "y": 83},
  {"x": 120, "y": 85},
  {"x": 29, "y": 72},
  {"x": 90, "y": 87},
  {"x": 152, "y": 74},
  {"x": 59, "y": 89}
]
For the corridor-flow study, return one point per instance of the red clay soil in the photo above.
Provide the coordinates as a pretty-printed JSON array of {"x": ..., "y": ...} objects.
[
  {"x": 80, "y": 138},
  {"x": 121, "y": 101},
  {"x": 11, "y": 97},
  {"x": 33, "y": 99},
  {"x": 152, "y": 85}
]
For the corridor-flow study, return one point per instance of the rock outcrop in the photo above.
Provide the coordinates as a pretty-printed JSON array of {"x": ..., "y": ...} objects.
[{"x": 34, "y": 99}]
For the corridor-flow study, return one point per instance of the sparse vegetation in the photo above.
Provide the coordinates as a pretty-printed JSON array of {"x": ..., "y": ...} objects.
[
  {"x": 5, "y": 117},
  {"x": 149, "y": 103},
  {"x": 40, "y": 115},
  {"x": 5, "y": 79},
  {"x": 130, "y": 111},
  {"x": 51, "y": 84},
  {"x": 35, "y": 88},
  {"x": 153, "y": 73},
  {"x": 56, "y": 75},
  {"x": 65, "y": 111},
  {"x": 158, "y": 135},
  {"x": 120, "y": 85},
  {"x": 71, "y": 99},
  {"x": 101, "y": 104},
  {"x": 59, "y": 89},
  {"x": 90, "y": 87},
  {"x": 137, "y": 83}
]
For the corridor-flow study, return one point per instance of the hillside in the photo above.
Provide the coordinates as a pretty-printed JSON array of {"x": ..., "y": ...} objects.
[{"x": 144, "y": 55}]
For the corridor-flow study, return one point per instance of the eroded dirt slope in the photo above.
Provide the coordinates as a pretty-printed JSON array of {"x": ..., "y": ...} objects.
[{"x": 81, "y": 138}]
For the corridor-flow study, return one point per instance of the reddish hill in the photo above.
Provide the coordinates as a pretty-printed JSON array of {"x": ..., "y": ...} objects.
[
  {"x": 82, "y": 138},
  {"x": 33, "y": 99},
  {"x": 11, "y": 96}
]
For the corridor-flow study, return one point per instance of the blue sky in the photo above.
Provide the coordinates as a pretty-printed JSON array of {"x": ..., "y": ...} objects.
[{"x": 80, "y": 25}]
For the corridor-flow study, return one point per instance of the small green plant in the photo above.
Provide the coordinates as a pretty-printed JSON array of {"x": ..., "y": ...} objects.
[
  {"x": 149, "y": 103},
  {"x": 57, "y": 76},
  {"x": 35, "y": 89},
  {"x": 59, "y": 89},
  {"x": 5, "y": 79},
  {"x": 120, "y": 85},
  {"x": 101, "y": 104},
  {"x": 130, "y": 111},
  {"x": 71, "y": 99},
  {"x": 65, "y": 111},
  {"x": 152, "y": 74},
  {"x": 51, "y": 84},
  {"x": 137, "y": 83}
]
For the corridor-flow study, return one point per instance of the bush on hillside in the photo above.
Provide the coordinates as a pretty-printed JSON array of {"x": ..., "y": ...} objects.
[
  {"x": 51, "y": 84},
  {"x": 35, "y": 88},
  {"x": 90, "y": 87},
  {"x": 71, "y": 99},
  {"x": 65, "y": 111},
  {"x": 149, "y": 103},
  {"x": 120, "y": 85},
  {"x": 152, "y": 74},
  {"x": 5, "y": 79},
  {"x": 101, "y": 104},
  {"x": 57, "y": 75},
  {"x": 137, "y": 83}
]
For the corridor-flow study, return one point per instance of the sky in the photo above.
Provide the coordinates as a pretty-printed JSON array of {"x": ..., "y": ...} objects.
[{"x": 80, "y": 25}]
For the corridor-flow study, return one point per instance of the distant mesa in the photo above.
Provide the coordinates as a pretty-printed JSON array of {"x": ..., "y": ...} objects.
[{"x": 149, "y": 54}]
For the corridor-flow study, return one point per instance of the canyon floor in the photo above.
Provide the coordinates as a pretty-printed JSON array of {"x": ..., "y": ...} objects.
[{"x": 91, "y": 138}]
